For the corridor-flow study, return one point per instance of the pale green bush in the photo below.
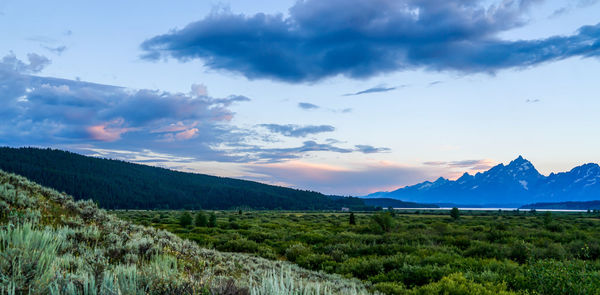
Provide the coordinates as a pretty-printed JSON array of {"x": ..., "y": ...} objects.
[
  {"x": 283, "y": 282},
  {"x": 28, "y": 257}
]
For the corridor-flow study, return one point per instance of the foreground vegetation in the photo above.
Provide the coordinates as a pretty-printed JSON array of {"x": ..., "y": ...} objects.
[
  {"x": 417, "y": 252},
  {"x": 50, "y": 244}
]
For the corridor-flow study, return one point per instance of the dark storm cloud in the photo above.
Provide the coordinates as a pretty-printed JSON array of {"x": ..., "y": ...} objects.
[{"x": 363, "y": 38}]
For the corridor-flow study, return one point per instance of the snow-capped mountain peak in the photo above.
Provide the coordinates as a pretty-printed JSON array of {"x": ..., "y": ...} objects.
[{"x": 519, "y": 182}]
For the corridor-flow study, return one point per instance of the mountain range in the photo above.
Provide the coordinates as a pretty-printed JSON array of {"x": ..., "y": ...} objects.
[{"x": 517, "y": 183}]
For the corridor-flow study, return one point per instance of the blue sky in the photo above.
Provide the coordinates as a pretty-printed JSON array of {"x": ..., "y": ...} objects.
[{"x": 344, "y": 97}]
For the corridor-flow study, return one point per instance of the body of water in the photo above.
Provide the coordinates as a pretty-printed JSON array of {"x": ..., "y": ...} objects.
[{"x": 494, "y": 209}]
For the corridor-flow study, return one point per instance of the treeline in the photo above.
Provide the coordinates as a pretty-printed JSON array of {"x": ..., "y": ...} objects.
[
  {"x": 588, "y": 205},
  {"x": 115, "y": 184}
]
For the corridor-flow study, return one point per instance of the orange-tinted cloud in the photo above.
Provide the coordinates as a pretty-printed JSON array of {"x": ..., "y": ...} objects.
[
  {"x": 109, "y": 131},
  {"x": 187, "y": 134}
]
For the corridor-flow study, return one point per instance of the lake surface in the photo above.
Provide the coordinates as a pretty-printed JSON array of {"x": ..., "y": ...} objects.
[{"x": 494, "y": 209}]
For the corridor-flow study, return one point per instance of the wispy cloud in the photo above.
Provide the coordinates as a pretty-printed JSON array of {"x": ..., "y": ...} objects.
[
  {"x": 292, "y": 130},
  {"x": 307, "y": 106},
  {"x": 464, "y": 165},
  {"x": 572, "y": 5},
  {"x": 532, "y": 100},
  {"x": 368, "y": 149},
  {"x": 57, "y": 50},
  {"x": 310, "y": 106},
  {"x": 375, "y": 89}
]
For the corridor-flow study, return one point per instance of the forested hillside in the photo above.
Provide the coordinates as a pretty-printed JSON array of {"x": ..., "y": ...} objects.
[{"x": 117, "y": 184}]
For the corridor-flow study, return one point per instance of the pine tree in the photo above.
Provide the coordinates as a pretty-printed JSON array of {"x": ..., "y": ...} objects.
[
  {"x": 212, "y": 220},
  {"x": 352, "y": 219},
  {"x": 392, "y": 211},
  {"x": 454, "y": 213}
]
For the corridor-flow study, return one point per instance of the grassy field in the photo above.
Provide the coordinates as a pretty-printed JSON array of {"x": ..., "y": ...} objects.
[{"x": 417, "y": 252}]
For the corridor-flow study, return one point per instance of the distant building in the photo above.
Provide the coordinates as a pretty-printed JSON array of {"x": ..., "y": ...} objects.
[{"x": 344, "y": 209}]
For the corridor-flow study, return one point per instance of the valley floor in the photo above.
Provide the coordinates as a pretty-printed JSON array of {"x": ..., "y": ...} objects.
[{"x": 412, "y": 252}]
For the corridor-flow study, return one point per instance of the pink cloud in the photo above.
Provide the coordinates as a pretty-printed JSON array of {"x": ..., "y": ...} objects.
[
  {"x": 187, "y": 134},
  {"x": 457, "y": 168},
  {"x": 108, "y": 131}
]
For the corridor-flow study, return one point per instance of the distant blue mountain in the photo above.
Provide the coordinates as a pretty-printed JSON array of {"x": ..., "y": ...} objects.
[{"x": 516, "y": 183}]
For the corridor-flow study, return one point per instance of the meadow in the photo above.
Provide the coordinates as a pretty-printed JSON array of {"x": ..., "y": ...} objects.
[{"x": 410, "y": 252}]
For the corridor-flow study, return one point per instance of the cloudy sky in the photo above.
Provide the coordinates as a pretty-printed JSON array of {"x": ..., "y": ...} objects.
[{"x": 339, "y": 96}]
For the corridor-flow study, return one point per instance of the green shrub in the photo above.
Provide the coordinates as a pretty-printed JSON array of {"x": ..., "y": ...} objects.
[
  {"x": 384, "y": 221},
  {"x": 313, "y": 261},
  {"x": 520, "y": 252},
  {"x": 562, "y": 277},
  {"x": 457, "y": 284},
  {"x": 390, "y": 288},
  {"x": 200, "y": 219},
  {"x": 296, "y": 251}
]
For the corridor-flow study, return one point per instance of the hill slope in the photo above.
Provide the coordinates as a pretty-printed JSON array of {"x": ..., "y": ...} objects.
[
  {"x": 516, "y": 183},
  {"x": 117, "y": 184},
  {"x": 58, "y": 246}
]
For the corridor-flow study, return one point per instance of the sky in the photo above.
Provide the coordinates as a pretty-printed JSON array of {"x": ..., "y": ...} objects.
[{"x": 344, "y": 97}]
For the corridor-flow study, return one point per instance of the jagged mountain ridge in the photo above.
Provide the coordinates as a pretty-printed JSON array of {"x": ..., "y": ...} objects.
[{"x": 516, "y": 183}]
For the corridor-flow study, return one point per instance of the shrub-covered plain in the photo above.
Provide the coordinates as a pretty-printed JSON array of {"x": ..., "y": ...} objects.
[
  {"x": 50, "y": 244},
  {"x": 414, "y": 252}
]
